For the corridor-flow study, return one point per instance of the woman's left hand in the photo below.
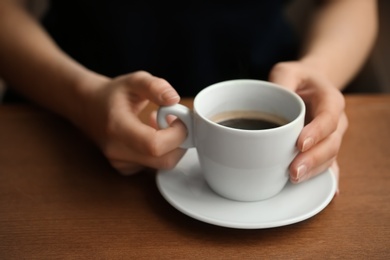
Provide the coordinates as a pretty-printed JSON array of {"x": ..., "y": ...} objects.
[{"x": 326, "y": 122}]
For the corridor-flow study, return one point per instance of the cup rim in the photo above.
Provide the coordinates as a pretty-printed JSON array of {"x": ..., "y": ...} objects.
[{"x": 263, "y": 82}]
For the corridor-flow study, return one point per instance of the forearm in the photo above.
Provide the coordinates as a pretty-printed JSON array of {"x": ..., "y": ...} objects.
[
  {"x": 340, "y": 39},
  {"x": 32, "y": 63}
]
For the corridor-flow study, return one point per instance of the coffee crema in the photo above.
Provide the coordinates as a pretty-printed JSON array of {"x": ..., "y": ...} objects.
[{"x": 249, "y": 120}]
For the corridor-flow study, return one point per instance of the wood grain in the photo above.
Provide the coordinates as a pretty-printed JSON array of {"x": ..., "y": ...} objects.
[{"x": 60, "y": 199}]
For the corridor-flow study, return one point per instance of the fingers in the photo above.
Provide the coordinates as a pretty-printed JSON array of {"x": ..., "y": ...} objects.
[
  {"x": 153, "y": 119},
  {"x": 288, "y": 75},
  {"x": 149, "y": 87},
  {"x": 320, "y": 157},
  {"x": 168, "y": 161},
  {"x": 321, "y": 127},
  {"x": 134, "y": 144},
  {"x": 145, "y": 140},
  {"x": 127, "y": 142},
  {"x": 324, "y": 102},
  {"x": 325, "y": 106},
  {"x": 326, "y": 123}
]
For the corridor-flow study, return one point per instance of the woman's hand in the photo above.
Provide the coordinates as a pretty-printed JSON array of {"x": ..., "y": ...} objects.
[
  {"x": 111, "y": 119},
  {"x": 326, "y": 122}
]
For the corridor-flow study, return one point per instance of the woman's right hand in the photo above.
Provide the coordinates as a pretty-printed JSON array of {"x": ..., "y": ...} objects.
[{"x": 110, "y": 118}]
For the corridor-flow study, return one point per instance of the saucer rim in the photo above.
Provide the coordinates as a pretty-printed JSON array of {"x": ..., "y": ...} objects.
[{"x": 248, "y": 225}]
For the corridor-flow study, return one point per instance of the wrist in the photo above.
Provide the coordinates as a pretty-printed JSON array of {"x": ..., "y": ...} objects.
[{"x": 86, "y": 88}]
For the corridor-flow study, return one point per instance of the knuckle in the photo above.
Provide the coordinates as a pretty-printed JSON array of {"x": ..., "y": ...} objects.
[
  {"x": 334, "y": 149},
  {"x": 136, "y": 76},
  {"x": 282, "y": 66},
  {"x": 156, "y": 83},
  {"x": 139, "y": 74},
  {"x": 129, "y": 78},
  {"x": 279, "y": 68},
  {"x": 337, "y": 141},
  {"x": 329, "y": 125},
  {"x": 333, "y": 122},
  {"x": 288, "y": 67}
]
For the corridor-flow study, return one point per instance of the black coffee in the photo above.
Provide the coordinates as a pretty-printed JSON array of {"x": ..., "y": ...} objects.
[
  {"x": 249, "y": 123},
  {"x": 248, "y": 120}
]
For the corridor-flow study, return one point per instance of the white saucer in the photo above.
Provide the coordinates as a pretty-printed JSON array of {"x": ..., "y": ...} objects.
[{"x": 186, "y": 190}]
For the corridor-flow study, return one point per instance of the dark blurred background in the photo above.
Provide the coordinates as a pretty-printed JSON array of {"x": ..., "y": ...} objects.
[{"x": 374, "y": 77}]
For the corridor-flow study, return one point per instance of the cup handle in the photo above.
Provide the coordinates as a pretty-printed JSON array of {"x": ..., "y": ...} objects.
[{"x": 184, "y": 114}]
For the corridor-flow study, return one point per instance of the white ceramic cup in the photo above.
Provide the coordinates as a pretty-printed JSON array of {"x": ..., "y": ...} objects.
[{"x": 243, "y": 165}]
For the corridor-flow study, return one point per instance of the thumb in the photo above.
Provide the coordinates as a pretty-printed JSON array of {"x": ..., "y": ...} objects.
[
  {"x": 286, "y": 74},
  {"x": 155, "y": 89}
]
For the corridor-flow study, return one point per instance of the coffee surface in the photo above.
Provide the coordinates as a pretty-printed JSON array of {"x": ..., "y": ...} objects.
[
  {"x": 249, "y": 120},
  {"x": 249, "y": 123}
]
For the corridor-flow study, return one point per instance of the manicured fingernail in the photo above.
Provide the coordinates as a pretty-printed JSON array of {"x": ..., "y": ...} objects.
[
  {"x": 307, "y": 144},
  {"x": 170, "y": 95},
  {"x": 301, "y": 172}
]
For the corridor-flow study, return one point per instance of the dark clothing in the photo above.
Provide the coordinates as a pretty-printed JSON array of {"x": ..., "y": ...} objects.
[{"x": 191, "y": 45}]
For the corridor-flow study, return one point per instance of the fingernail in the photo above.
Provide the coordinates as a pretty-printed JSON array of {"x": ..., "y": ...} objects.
[
  {"x": 307, "y": 144},
  {"x": 301, "y": 172},
  {"x": 170, "y": 95}
]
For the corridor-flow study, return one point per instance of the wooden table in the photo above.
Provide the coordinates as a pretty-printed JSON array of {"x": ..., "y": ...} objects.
[{"x": 60, "y": 199}]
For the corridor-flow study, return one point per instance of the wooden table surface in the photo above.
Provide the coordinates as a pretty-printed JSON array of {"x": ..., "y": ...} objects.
[{"x": 60, "y": 199}]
